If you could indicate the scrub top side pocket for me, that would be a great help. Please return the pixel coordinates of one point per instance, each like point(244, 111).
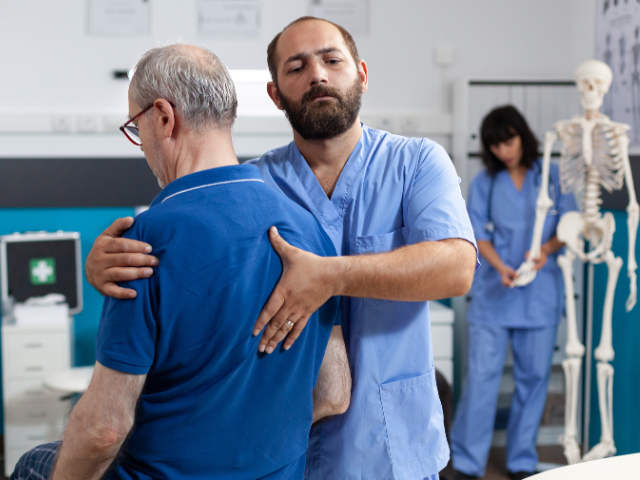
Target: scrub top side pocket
point(380, 244)
point(413, 418)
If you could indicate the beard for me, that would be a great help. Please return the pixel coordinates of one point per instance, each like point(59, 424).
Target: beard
point(324, 119)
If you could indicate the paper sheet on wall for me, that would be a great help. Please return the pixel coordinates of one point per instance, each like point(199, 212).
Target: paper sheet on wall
point(118, 17)
point(353, 15)
point(229, 18)
point(618, 45)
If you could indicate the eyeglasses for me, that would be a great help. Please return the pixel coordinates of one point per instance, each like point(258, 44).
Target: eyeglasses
point(131, 131)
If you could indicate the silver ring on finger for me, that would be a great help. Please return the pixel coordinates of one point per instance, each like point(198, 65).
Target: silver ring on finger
point(290, 323)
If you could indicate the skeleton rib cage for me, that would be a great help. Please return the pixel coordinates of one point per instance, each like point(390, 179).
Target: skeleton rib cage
point(607, 159)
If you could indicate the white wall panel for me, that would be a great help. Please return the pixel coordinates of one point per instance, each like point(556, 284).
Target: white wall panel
point(51, 64)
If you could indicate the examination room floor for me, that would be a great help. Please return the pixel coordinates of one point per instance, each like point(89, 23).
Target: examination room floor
point(496, 469)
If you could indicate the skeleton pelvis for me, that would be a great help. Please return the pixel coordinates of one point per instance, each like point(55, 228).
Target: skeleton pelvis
point(572, 230)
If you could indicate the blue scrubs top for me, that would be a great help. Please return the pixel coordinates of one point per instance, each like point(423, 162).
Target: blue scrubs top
point(212, 406)
point(393, 191)
point(513, 213)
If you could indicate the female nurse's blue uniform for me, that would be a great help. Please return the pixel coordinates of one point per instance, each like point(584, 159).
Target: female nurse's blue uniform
point(526, 316)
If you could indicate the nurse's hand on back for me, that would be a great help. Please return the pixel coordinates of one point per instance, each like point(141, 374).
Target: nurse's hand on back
point(308, 281)
point(115, 259)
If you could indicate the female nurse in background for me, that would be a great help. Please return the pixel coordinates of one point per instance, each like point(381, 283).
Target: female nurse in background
point(502, 206)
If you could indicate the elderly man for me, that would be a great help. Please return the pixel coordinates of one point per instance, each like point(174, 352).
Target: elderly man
point(393, 209)
point(209, 405)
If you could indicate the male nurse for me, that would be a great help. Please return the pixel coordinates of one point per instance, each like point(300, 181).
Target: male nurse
point(393, 209)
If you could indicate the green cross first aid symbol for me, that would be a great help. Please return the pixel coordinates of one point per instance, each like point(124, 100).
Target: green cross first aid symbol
point(43, 271)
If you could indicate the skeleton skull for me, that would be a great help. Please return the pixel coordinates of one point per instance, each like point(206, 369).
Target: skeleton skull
point(593, 79)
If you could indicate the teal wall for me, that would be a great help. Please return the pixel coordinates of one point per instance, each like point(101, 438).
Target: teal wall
point(90, 222)
point(626, 343)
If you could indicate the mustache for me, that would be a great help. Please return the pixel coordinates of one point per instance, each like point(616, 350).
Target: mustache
point(320, 91)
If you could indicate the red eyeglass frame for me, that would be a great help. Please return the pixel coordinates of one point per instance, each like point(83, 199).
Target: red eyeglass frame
point(123, 127)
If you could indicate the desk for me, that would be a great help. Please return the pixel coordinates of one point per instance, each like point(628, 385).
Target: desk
point(624, 467)
point(73, 380)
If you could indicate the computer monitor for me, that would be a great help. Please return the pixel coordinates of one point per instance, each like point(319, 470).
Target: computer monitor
point(39, 263)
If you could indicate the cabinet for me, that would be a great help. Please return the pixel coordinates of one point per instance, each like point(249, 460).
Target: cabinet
point(441, 318)
point(33, 415)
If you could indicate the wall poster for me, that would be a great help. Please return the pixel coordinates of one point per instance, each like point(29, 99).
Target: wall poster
point(618, 45)
point(229, 18)
point(118, 17)
point(353, 15)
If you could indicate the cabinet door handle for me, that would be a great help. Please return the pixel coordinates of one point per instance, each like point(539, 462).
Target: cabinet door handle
point(37, 437)
point(34, 368)
point(33, 345)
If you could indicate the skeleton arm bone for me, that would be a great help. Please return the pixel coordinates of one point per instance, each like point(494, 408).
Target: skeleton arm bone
point(633, 214)
point(527, 271)
point(544, 202)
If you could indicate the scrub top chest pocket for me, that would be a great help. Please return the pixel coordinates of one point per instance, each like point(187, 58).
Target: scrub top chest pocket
point(380, 244)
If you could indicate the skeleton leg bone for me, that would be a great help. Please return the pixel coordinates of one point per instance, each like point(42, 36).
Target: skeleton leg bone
point(604, 354)
point(571, 365)
point(606, 447)
point(569, 440)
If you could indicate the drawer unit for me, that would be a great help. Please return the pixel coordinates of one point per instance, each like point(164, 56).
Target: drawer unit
point(28, 391)
point(33, 415)
point(35, 422)
point(45, 343)
point(36, 366)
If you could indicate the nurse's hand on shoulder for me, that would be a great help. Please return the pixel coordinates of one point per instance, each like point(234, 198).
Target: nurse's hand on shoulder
point(540, 261)
point(508, 275)
point(305, 285)
point(113, 259)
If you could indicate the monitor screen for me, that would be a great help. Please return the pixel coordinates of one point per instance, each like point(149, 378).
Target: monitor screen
point(40, 267)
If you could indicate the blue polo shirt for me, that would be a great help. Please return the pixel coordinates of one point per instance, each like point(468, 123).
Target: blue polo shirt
point(212, 406)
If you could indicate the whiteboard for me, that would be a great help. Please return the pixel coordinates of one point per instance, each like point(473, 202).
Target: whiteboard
point(618, 45)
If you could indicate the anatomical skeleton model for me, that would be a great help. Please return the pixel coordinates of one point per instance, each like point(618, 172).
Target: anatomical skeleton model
point(594, 156)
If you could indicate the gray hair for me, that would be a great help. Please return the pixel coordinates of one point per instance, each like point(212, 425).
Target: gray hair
point(193, 79)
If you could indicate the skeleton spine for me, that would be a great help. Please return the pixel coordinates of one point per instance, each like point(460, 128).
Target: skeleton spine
point(591, 199)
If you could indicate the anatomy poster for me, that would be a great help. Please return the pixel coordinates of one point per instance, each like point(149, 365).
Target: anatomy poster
point(618, 45)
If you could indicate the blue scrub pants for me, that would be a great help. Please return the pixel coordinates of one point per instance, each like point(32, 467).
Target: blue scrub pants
point(473, 425)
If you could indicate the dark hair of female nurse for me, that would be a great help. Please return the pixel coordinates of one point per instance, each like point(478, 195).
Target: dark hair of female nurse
point(507, 141)
point(508, 144)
